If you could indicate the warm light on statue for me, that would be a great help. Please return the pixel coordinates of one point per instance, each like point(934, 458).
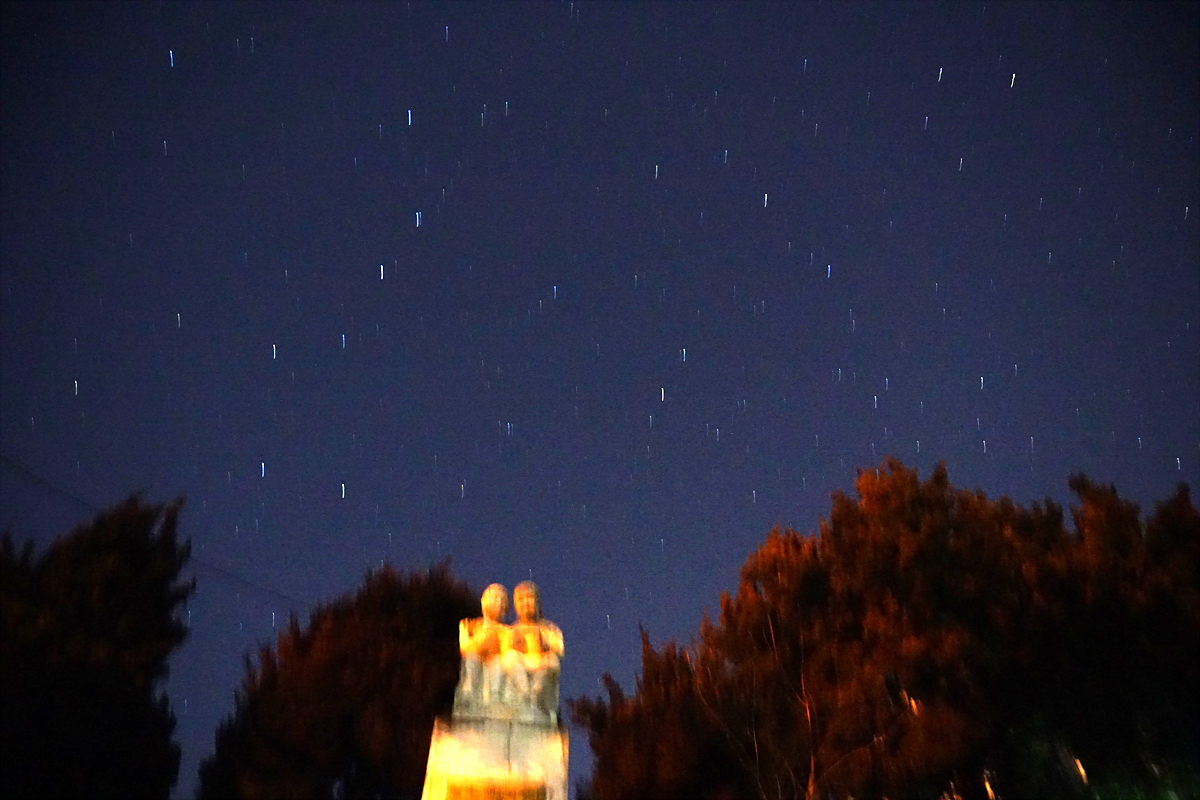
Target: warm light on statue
point(482, 642)
point(531, 657)
point(503, 739)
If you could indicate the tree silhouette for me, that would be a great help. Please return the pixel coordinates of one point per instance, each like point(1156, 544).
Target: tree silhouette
point(87, 630)
point(926, 637)
point(345, 707)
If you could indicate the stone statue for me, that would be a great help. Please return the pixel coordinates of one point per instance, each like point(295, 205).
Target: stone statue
point(504, 737)
point(482, 642)
point(531, 656)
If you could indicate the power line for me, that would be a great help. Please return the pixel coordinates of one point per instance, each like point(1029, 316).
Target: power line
point(33, 476)
point(91, 507)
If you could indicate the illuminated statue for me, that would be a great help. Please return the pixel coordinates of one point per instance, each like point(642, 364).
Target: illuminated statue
point(504, 738)
point(531, 658)
point(482, 643)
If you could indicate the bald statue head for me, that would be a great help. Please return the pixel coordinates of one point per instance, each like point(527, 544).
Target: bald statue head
point(494, 602)
point(527, 601)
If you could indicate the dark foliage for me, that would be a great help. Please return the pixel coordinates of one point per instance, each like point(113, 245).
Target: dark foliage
point(345, 707)
point(87, 629)
point(928, 640)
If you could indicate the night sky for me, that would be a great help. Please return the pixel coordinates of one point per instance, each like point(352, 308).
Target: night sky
point(595, 294)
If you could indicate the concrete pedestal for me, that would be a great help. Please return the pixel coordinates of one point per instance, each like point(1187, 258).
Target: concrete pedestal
point(496, 759)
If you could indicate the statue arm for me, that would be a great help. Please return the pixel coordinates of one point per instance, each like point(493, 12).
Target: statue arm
point(465, 645)
point(554, 637)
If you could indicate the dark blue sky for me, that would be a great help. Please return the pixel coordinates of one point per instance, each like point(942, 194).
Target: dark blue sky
point(655, 278)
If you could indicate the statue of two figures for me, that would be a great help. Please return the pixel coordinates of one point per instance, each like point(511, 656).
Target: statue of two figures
point(509, 671)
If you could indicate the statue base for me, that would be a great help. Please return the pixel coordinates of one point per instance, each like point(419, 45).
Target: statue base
point(494, 759)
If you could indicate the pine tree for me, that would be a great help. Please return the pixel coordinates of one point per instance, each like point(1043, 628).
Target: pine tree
point(345, 707)
point(88, 627)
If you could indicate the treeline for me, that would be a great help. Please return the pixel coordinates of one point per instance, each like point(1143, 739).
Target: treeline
point(342, 708)
point(929, 642)
point(345, 707)
point(924, 642)
point(86, 629)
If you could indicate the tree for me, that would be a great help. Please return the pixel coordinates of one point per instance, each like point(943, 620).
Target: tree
point(87, 628)
point(345, 707)
point(926, 637)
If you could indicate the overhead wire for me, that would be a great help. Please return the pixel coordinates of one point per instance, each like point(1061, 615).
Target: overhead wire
point(94, 508)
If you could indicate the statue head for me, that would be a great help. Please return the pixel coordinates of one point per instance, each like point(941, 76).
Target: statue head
point(527, 601)
point(494, 602)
